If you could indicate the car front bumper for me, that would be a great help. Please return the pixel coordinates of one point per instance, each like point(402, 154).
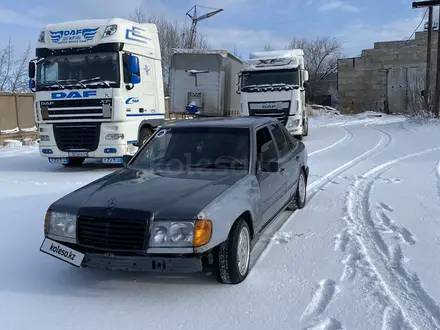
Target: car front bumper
point(154, 264)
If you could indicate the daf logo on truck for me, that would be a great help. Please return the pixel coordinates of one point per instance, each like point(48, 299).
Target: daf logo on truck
point(73, 95)
point(269, 106)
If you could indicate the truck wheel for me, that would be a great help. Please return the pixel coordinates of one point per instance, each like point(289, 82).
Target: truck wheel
point(234, 254)
point(300, 197)
point(75, 162)
point(299, 137)
point(144, 135)
point(306, 128)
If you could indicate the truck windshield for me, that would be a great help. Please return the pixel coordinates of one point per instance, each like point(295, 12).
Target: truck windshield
point(270, 77)
point(100, 70)
point(191, 148)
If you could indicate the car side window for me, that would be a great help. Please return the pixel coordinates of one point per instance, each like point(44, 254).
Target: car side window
point(292, 143)
point(266, 150)
point(280, 139)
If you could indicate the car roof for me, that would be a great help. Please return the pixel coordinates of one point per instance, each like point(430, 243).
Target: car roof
point(244, 122)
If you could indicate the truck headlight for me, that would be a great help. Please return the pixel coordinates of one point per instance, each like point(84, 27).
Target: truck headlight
point(60, 224)
point(293, 123)
point(181, 233)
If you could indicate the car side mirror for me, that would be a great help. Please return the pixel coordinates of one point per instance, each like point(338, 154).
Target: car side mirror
point(271, 167)
point(126, 159)
point(305, 84)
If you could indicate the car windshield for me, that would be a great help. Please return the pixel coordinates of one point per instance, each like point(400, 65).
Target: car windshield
point(78, 70)
point(270, 77)
point(189, 148)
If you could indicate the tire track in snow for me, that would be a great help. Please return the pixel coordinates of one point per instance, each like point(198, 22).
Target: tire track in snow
point(348, 136)
point(406, 301)
point(437, 173)
point(318, 184)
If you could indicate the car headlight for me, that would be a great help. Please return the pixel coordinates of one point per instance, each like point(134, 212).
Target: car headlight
point(60, 224)
point(181, 233)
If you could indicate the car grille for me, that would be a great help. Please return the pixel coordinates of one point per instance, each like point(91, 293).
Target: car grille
point(77, 136)
point(256, 109)
point(112, 234)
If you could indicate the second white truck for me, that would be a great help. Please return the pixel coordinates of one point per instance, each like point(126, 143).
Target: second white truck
point(272, 84)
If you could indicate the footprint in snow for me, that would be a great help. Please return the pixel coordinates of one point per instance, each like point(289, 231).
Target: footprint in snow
point(321, 298)
point(400, 233)
point(384, 206)
point(281, 237)
point(329, 323)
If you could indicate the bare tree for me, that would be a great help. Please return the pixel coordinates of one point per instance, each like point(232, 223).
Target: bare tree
point(334, 94)
point(236, 52)
point(321, 57)
point(171, 35)
point(268, 47)
point(13, 72)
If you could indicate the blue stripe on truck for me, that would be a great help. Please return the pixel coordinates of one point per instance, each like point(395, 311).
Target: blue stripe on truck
point(144, 114)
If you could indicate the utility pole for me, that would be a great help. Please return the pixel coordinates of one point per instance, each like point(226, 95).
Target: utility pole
point(430, 4)
point(428, 59)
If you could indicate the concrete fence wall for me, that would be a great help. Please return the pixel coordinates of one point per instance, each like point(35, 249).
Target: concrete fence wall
point(16, 110)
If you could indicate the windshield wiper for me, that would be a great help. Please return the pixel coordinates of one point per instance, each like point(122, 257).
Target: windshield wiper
point(72, 80)
point(95, 79)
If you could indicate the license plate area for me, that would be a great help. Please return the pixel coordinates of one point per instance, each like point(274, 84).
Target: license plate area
point(78, 154)
point(62, 252)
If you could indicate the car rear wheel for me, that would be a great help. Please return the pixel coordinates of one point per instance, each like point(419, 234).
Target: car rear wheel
point(234, 255)
point(300, 197)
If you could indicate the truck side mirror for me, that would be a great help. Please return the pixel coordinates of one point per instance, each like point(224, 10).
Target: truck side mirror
point(31, 70)
point(306, 75)
point(134, 69)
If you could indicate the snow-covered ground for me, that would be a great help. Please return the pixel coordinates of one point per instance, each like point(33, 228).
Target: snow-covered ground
point(363, 254)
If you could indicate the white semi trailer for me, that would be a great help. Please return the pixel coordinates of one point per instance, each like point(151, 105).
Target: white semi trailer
point(98, 89)
point(204, 82)
point(272, 83)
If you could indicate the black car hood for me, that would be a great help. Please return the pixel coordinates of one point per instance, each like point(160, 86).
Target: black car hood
point(132, 193)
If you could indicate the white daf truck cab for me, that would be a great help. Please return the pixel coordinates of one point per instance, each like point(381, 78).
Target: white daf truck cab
point(98, 89)
point(272, 83)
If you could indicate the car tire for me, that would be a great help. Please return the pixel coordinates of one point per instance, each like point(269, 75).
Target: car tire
point(75, 162)
point(300, 198)
point(144, 135)
point(234, 255)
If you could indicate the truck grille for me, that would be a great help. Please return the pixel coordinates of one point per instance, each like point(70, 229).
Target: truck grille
point(112, 234)
point(77, 109)
point(280, 113)
point(77, 136)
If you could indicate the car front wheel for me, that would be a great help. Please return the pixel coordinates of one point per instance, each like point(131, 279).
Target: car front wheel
point(234, 255)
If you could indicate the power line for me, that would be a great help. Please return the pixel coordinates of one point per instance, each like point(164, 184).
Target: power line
point(412, 34)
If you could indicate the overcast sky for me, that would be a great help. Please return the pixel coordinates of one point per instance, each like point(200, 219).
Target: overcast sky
point(246, 24)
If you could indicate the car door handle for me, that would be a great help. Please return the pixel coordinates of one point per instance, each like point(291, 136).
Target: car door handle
point(297, 157)
point(282, 169)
